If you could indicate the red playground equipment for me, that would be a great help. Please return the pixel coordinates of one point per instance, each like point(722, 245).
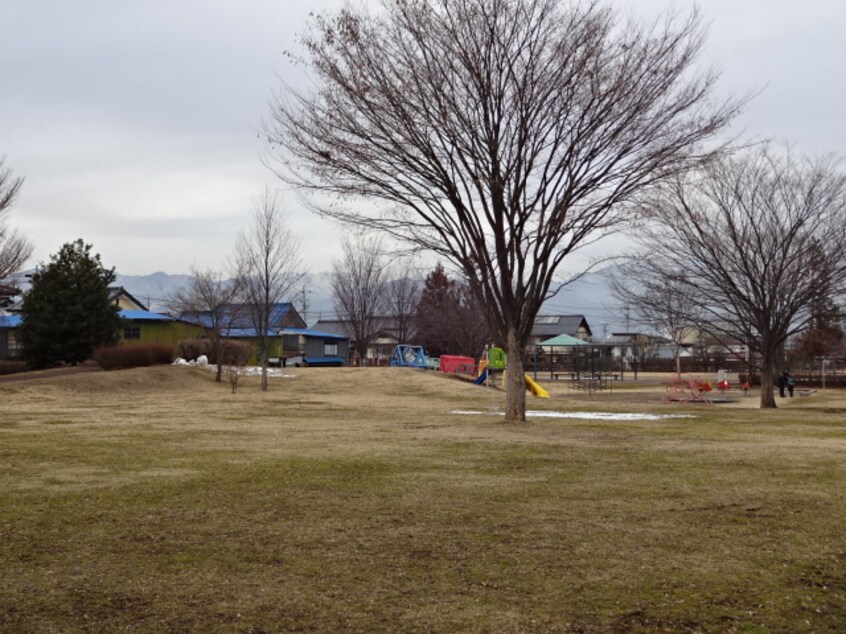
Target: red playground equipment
point(456, 364)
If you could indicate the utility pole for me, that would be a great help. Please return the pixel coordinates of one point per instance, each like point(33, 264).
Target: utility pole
point(304, 293)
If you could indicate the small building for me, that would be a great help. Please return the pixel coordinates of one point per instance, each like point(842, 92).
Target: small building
point(10, 348)
point(548, 326)
point(382, 344)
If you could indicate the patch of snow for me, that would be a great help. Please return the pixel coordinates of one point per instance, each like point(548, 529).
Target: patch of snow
point(582, 415)
point(202, 360)
point(255, 370)
point(250, 370)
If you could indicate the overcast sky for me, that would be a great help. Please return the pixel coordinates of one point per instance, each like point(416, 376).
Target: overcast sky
point(135, 124)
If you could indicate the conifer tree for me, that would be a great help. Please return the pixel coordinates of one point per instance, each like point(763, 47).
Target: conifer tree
point(67, 312)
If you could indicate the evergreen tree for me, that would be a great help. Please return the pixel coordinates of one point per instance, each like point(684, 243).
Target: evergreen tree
point(67, 312)
point(825, 336)
point(449, 319)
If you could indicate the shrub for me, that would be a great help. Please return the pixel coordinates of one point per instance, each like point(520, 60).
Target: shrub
point(192, 348)
point(12, 367)
point(237, 352)
point(115, 357)
point(234, 352)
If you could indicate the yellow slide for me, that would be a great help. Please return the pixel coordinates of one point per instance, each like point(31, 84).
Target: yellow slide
point(534, 388)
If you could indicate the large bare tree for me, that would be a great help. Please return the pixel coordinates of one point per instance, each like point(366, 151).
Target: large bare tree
point(500, 134)
point(212, 302)
point(268, 264)
point(756, 241)
point(358, 289)
point(15, 249)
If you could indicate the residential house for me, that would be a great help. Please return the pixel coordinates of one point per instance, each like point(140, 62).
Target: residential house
point(143, 326)
point(9, 346)
point(290, 340)
point(8, 296)
point(381, 346)
point(122, 298)
point(548, 326)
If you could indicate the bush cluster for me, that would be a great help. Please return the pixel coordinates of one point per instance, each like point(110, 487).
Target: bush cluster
point(12, 367)
point(234, 352)
point(115, 357)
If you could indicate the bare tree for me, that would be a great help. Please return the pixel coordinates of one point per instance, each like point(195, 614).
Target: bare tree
point(267, 259)
point(756, 241)
point(501, 134)
point(402, 293)
point(15, 249)
point(212, 302)
point(358, 290)
point(667, 305)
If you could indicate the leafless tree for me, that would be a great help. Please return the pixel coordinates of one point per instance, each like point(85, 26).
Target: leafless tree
point(211, 302)
point(15, 249)
point(756, 241)
point(402, 293)
point(268, 264)
point(358, 290)
point(501, 134)
point(667, 305)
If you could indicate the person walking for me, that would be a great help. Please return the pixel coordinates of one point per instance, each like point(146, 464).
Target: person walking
point(781, 383)
point(791, 383)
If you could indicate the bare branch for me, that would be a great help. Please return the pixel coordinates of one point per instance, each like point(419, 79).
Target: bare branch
point(15, 249)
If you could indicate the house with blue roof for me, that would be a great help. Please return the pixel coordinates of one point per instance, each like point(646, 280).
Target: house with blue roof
point(9, 346)
point(290, 339)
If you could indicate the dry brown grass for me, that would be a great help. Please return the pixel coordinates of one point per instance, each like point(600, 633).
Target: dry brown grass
point(352, 500)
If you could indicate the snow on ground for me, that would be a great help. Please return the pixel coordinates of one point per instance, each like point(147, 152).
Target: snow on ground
point(582, 415)
point(248, 370)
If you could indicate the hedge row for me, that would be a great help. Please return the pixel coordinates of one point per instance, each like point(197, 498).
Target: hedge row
point(115, 357)
point(234, 352)
point(12, 367)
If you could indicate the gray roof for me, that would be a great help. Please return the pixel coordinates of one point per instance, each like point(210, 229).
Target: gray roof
point(386, 326)
point(547, 326)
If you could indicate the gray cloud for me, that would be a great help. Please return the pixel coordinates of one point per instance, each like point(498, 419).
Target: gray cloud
point(135, 124)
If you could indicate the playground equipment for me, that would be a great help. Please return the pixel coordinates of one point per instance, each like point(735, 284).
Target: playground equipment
point(455, 364)
point(496, 362)
point(534, 388)
point(406, 356)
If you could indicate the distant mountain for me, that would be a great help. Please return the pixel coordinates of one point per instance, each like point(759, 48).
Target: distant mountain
point(589, 296)
point(154, 289)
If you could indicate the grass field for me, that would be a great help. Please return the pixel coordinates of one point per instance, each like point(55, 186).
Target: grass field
point(154, 500)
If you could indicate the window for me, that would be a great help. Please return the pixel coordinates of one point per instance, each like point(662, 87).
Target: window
point(546, 320)
point(131, 332)
point(330, 349)
point(14, 349)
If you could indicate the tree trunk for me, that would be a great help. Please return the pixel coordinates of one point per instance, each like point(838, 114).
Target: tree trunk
point(264, 367)
point(515, 388)
point(768, 373)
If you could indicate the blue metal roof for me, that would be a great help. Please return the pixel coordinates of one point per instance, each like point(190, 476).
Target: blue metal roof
point(307, 332)
point(249, 333)
point(10, 321)
point(143, 315)
point(238, 315)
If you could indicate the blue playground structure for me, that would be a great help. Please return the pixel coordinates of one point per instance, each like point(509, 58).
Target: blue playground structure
point(406, 356)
